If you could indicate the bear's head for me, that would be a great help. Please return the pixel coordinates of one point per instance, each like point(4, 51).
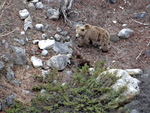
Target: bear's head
point(82, 30)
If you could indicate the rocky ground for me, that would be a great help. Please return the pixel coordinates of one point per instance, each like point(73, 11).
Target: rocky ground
point(133, 52)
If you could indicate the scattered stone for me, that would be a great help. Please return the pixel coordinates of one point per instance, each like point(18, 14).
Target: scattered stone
point(58, 29)
point(46, 44)
point(64, 33)
point(26, 92)
point(34, 1)
point(125, 80)
point(134, 71)
point(16, 82)
point(2, 65)
point(43, 91)
point(20, 55)
point(23, 13)
point(20, 41)
point(114, 37)
point(57, 37)
point(10, 74)
point(35, 41)
point(28, 23)
point(39, 5)
point(39, 27)
point(3, 41)
point(91, 70)
point(58, 62)
point(125, 33)
point(61, 47)
point(134, 111)
point(69, 73)
point(36, 62)
point(44, 36)
point(141, 15)
point(31, 5)
point(53, 14)
point(10, 99)
point(148, 9)
point(44, 52)
point(44, 72)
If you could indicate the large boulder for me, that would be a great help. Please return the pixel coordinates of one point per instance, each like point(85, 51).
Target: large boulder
point(124, 80)
point(58, 62)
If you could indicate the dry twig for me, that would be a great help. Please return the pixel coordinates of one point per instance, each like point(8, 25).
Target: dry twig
point(139, 54)
point(145, 24)
point(8, 33)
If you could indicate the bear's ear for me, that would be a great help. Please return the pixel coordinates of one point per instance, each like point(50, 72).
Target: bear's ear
point(87, 26)
point(77, 26)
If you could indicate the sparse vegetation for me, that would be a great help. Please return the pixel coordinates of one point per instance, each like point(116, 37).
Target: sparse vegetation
point(84, 94)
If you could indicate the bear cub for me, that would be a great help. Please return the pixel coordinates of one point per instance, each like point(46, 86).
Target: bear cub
point(96, 35)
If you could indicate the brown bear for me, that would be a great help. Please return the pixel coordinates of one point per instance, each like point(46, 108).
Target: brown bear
point(93, 34)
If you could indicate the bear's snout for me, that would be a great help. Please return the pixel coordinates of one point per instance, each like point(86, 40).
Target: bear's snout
point(77, 35)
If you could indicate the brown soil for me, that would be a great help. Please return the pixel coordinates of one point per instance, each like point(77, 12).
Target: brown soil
point(124, 54)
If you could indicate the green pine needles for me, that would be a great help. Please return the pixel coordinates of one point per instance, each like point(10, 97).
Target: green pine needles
point(84, 94)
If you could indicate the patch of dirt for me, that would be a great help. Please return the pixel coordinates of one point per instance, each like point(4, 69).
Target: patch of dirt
point(124, 54)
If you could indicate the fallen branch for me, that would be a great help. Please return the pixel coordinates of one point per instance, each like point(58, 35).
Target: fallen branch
point(139, 54)
point(9, 32)
point(145, 24)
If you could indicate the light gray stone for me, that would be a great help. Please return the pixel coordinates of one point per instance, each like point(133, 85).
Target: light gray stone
point(35, 41)
point(114, 37)
point(125, 33)
point(2, 65)
point(10, 99)
point(20, 41)
point(36, 62)
point(10, 74)
point(46, 44)
point(58, 62)
point(53, 14)
point(57, 37)
point(23, 13)
point(44, 52)
point(20, 55)
point(39, 5)
point(16, 82)
point(69, 73)
point(148, 9)
point(134, 71)
point(125, 80)
point(39, 27)
point(31, 5)
point(28, 23)
point(44, 36)
point(64, 33)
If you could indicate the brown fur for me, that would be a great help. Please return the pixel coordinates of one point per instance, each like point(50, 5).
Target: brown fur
point(93, 34)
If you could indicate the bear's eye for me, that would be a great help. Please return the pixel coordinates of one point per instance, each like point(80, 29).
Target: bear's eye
point(82, 29)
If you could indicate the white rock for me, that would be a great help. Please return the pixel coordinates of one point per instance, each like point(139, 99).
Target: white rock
point(134, 71)
point(46, 44)
point(36, 62)
point(35, 41)
point(53, 14)
point(34, 1)
point(23, 13)
point(44, 52)
point(44, 36)
point(125, 80)
point(125, 33)
point(28, 23)
point(22, 32)
point(39, 5)
point(91, 70)
point(39, 27)
point(31, 5)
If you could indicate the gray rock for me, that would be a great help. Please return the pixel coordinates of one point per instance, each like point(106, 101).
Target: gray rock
point(16, 82)
point(134, 111)
point(23, 13)
point(64, 33)
point(3, 41)
point(20, 41)
point(57, 37)
point(28, 23)
point(69, 73)
point(10, 99)
point(44, 52)
point(53, 14)
point(141, 15)
point(46, 44)
point(20, 55)
point(26, 92)
point(39, 27)
point(31, 5)
point(2, 65)
point(61, 47)
point(148, 9)
point(125, 33)
point(39, 5)
point(114, 37)
point(58, 29)
point(36, 62)
point(10, 74)
point(112, 1)
point(34, 1)
point(44, 36)
point(35, 41)
point(58, 62)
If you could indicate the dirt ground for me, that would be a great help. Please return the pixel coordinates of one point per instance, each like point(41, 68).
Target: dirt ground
point(124, 54)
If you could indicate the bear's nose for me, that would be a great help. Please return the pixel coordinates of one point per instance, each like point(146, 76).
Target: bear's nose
point(77, 35)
